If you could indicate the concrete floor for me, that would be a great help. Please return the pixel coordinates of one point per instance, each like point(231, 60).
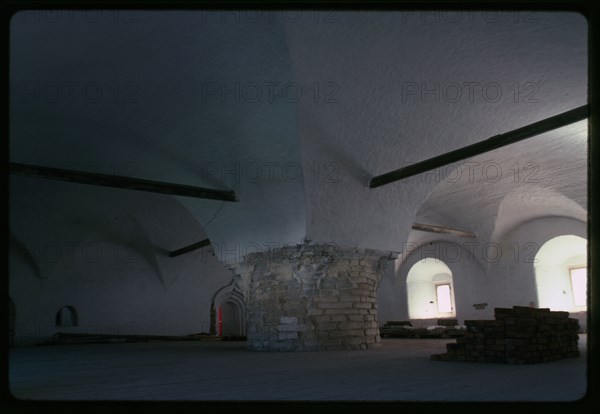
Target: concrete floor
point(398, 370)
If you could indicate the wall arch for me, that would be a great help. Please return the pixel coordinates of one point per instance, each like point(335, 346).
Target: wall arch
point(553, 265)
point(228, 312)
point(468, 279)
point(423, 285)
point(67, 316)
point(512, 279)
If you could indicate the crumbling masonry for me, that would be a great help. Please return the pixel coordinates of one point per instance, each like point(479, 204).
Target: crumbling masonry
point(311, 297)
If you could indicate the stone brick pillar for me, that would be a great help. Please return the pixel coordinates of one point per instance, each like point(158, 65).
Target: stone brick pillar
point(311, 297)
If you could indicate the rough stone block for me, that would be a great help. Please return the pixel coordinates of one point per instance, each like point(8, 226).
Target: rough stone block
point(332, 305)
point(351, 325)
point(302, 328)
point(342, 311)
point(352, 341)
point(287, 328)
point(288, 335)
point(350, 298)
point(339, 318)
point(354, 332)
point(327, 326)
point(362, 292)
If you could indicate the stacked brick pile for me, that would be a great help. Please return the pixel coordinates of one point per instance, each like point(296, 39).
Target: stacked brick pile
point(520, 335)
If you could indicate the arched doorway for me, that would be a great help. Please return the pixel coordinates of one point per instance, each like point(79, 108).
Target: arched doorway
point(561, 274)
point(430, 290)
point(67, 316)
point(228, 313)
point(231, 319)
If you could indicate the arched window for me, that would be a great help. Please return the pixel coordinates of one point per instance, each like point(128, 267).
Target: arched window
point(430, 290)
point(67, 316)
point(561, 274)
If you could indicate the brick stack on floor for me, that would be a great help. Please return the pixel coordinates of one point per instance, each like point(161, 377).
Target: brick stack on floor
point(520, 335)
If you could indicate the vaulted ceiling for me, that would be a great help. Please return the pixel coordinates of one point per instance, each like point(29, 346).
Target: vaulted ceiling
point(213, 99)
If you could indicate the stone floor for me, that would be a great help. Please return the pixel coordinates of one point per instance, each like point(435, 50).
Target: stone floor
point(398, 370)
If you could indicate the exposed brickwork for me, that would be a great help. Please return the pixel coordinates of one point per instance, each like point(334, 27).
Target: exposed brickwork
point(520, 335)
point(311, 297)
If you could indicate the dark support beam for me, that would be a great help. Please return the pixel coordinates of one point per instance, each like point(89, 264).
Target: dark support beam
point(116, 181)
point(495, 142)
point(441, 229)
point(191, 247)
